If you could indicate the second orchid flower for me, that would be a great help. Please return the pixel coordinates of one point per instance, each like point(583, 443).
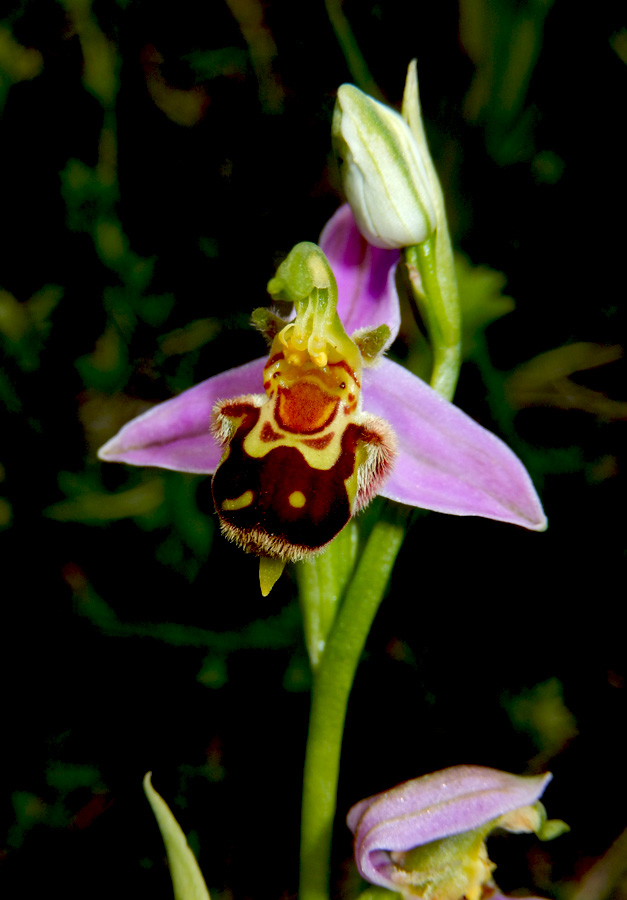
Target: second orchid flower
point(426, 838)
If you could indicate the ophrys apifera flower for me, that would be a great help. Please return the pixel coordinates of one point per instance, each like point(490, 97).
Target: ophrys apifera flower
point(401, 439)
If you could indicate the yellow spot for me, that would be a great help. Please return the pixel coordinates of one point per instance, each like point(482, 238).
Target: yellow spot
point(297, 499)
point(269, 573)
point(240, 502)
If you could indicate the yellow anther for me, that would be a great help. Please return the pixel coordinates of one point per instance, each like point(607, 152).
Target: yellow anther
point(298, 340)
point(320, 359)
point(316, 347)
point(283, 334)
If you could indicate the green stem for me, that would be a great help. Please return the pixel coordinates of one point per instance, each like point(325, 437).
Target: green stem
point(435, 292)
point(431, 264)
point(321, 585)
point(332, 685)
point(355, 61)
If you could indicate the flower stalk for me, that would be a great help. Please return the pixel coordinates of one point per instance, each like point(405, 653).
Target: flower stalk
point(321, 584)
point(434, 288)
point(332, 683)
point(435, 291)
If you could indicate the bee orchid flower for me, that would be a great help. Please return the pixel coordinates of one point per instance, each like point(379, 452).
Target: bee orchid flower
point(426, 838)
point(429, 454)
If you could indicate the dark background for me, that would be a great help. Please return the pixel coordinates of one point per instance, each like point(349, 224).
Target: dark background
point(156, 164)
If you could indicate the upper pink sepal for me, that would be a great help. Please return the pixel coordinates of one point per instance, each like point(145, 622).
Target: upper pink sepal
point(367, 295)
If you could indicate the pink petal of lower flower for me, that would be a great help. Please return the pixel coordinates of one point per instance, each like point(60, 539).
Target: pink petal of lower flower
point(434, 806)
point(367, 295)
point(448, 802)
point(446, 461)
point(175, 434)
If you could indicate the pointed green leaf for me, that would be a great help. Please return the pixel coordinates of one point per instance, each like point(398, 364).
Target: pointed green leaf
point(187, 879)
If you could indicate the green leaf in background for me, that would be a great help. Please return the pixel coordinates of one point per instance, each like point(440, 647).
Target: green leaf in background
point(542, 713)
point(17, 63)
point(187, 879)
point(481, 299)
point(25, 326)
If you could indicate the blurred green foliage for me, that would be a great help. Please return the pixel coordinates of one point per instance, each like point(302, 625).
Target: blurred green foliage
point(157, 163)
point(543, 715)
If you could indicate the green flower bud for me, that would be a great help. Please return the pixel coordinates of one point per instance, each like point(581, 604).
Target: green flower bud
point(383, 171)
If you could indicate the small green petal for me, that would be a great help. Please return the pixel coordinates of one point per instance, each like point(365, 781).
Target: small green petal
point(552, 828)
point(372, 342)
point(268, 323)
point(187, 879)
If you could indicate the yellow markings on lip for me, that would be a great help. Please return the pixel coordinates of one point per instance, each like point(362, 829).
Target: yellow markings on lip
point(240, 502)
point(297, 499)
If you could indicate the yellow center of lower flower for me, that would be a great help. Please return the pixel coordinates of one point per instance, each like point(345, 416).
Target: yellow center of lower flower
point(453, 868)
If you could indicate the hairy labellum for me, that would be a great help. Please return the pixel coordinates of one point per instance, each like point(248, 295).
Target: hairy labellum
point(299, 462)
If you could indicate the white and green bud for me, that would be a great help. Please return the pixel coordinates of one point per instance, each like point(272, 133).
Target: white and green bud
point(384, 174)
